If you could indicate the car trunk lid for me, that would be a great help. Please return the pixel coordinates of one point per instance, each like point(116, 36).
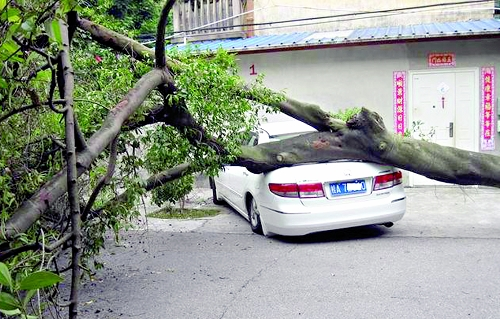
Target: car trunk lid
point(342, 181)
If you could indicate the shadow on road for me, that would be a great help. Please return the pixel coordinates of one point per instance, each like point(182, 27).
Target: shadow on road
point(353, 233)
point(365, 232)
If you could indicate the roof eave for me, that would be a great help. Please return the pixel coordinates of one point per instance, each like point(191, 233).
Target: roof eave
point(363, 42)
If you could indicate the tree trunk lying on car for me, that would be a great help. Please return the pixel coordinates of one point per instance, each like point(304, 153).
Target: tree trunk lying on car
point(364, 137)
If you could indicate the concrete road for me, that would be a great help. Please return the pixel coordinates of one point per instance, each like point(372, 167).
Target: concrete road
point(441, 261)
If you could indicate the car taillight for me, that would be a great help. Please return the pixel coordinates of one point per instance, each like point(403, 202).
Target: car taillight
point(314, 190)
point(311, 190)
point(284, 190)
point(398, 178)
point(387, 180)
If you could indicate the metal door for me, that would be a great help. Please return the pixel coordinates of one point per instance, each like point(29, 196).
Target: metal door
point(443, 110)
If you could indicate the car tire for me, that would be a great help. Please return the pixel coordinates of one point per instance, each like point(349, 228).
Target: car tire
point(215, 197)
point(254, 216)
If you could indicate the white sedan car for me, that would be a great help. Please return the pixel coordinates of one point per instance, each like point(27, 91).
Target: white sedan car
point(308, 198)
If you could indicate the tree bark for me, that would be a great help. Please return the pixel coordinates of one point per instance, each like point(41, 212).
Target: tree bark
point(67, 84)
point(121, 43)
point(365, 138)
point(116, 40)
point(178, 117)
point(151, 183)
point(160, 60)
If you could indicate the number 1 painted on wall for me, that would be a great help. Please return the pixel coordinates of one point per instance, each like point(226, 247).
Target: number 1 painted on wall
point(252, 70)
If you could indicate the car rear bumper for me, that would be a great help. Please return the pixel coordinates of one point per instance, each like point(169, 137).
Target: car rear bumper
point(317, 220)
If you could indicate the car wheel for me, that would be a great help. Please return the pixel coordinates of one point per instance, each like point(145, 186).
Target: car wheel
point(254, 216)
point(215, 197)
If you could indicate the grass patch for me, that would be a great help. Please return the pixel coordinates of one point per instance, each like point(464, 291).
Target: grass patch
point(186, 213)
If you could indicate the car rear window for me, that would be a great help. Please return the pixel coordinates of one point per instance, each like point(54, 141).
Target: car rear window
point(275, 138)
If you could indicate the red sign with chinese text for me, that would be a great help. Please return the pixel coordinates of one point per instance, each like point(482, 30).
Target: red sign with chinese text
point(399, 86)
point(488, 108)
point(441, 59)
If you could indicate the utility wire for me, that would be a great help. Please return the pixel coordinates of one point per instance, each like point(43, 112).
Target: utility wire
point(338, 15)
point(343, 20)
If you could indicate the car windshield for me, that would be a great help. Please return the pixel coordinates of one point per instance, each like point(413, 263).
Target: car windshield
point(279, 131)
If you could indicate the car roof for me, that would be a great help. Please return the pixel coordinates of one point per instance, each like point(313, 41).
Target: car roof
point(288, 127)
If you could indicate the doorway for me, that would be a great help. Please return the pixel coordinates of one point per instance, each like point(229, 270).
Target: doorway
point(444, 109)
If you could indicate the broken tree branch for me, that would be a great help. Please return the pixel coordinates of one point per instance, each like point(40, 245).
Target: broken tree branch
point(121, 43)
point(116, 40)
point(31, 210)
point(160, 60)
point(151, 183)
point(103, 181)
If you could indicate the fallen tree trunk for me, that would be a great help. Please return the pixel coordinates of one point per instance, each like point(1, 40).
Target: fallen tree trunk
point(362, 138)
point(365, 137)
point(151, 183)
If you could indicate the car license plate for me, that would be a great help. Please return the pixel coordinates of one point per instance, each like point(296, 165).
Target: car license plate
point(348, 188)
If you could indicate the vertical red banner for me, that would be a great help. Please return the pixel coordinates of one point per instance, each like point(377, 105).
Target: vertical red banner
point(399, 87)
point(488, 115)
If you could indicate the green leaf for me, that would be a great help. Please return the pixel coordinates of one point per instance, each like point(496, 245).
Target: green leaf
point(8, 302)
point(11, 15)
point(3, 3)
point(44, 75)
point(5, 278)
point(28, 26)
point(28, 297)
point(68, 5)
point(10, 49)
point(9, 46)
point(10, 312)
point(39, 279)
point(54, 30)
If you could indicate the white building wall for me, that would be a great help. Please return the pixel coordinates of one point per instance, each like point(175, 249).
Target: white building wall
point(333, 78)
point(359, 76)
point(278, 10)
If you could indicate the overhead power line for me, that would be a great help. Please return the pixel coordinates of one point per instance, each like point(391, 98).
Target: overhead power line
point(344, 20)
point(338, 15)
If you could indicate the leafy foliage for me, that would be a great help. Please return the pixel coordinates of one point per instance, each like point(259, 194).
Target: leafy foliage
point(210, 84)
point(130, 17)
point(347, 114)
point(22, 289)
point(32, 135)
point(416, 131)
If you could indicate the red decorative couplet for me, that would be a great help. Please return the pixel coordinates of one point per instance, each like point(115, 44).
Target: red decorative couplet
point(488, 117)
point(441, 59)
point(399, 85)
